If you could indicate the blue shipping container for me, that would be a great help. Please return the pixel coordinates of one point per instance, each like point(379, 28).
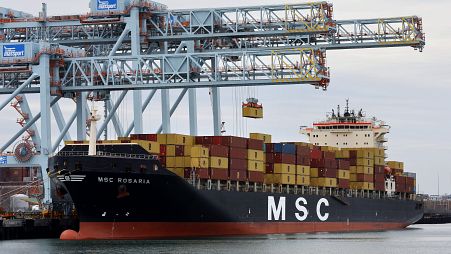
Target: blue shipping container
point(285, 148)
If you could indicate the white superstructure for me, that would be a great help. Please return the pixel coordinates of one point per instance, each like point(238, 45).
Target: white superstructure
point(347, 130)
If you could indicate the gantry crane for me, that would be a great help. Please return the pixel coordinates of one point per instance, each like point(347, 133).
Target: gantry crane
point(124, 46)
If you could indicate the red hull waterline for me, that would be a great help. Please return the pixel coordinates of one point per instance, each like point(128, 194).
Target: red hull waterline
point(167, 230)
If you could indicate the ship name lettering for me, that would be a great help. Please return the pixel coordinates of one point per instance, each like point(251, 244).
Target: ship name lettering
point(131, 180)
point(104, 179)
point(277, 210)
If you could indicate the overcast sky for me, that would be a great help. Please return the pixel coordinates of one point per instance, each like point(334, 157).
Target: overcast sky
point(407, 89)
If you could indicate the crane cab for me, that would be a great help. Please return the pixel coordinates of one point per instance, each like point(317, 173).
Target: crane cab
point(252, 109)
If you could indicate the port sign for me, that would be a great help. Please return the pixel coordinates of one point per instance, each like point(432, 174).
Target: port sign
point(105, 5)
point(3, 160)
point(14, 50)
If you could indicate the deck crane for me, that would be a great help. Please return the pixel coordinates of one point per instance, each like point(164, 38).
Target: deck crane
point(140, 45)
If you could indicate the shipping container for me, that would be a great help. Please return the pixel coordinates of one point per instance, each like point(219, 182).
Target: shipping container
point(344, 174)
point(361, 177)
point(199, 152)
point(238, 153)
point(284, 179)
point(258, 166)
point(361, 162)
point(200, 173)
point(343, 183)
point(199, 162)
point(323, 182)
point(230, 141)
point(302, 150)
point(255, 177)
point(324, 163)
point(255, 144)
point(237, 164)
point(280, 168)
point(361, 170)
point(219, 162)
point(303, 160)
point(219, 173)
point(361, 185)
point(303, 180)
point(170, 150)
point(238, 175)
point(303, 170)
point(150, 146)
point(269, 168)
point(252, 112)
point(343, 164)
point(342, 154)
point(218, 150)
point(255, 155)
point(378, 169)
point(366, 153)
point(180, 150)
point(266, 138)
point(379, 161)
point(395, 164)
point(284, 158)
point(281, 148)
point(379, 152)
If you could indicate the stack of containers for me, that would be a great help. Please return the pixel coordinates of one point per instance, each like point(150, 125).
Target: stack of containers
point(379, 169)
point(362, 169)
point(410, 182)
point(255, 161)
point(199, 162)
point(280, 163)
point(237, 162)
point(343, 165)
point(172, 150)
point(400, 183)
point(303, 164)
point(397, 167)
point(323, 167)
point(219, 162)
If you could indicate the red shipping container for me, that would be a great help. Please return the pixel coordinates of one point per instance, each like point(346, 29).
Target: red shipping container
point(238, 175)
point(179, 150)
point(204, 140)
point(238, 153)
point(269, 157)
point(219, 174)
point(230, 141)
point(379, 178)
point(302, 150)
point(379, 169)
point(343, 164)
point(327, 172)
point(303, 160)
point(328, 155)
point(238, 164)
point(379, 186)
point(316, 154)
point(162, 150)
point(343, 183)
point(218, 150)
point(255, 177)
point(323, 163)
point(284, 158)
point(255, 144)
point(400, 183)
point(364, 178)
point(269, 168)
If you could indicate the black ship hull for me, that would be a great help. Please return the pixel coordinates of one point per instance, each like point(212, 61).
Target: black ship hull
point(112, 204)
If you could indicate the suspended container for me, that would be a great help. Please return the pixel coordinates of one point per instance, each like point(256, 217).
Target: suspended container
point(252, 109)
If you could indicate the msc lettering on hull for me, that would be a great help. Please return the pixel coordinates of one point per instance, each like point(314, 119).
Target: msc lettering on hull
point(122, 180)
point(278, 211)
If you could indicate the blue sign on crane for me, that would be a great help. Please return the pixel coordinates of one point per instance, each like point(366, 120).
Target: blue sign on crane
point(3, 160)
point(14, 50)
point(103, 5)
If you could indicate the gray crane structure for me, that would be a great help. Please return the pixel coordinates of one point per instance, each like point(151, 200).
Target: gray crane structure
point(132, 45)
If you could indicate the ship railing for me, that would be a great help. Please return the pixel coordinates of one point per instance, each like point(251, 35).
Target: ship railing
point(107, 154)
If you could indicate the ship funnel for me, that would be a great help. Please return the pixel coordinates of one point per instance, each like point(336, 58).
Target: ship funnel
point(93, 131)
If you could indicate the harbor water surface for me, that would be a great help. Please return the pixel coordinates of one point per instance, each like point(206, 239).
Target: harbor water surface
point(422, 239)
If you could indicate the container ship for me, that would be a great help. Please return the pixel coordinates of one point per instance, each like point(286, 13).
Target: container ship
point(157, 186)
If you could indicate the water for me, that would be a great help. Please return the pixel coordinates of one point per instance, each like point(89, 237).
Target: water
point(422, 239)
